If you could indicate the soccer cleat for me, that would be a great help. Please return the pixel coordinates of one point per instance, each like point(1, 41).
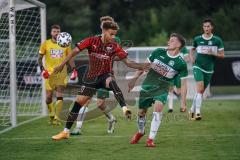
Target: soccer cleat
point(111, 125)
point(191, 116)
point(76, 132)
point(198, 117)
point(127, 112)
point(150, 143)
point(183, 109)
point(170, 110)
point(60, 136)
point(136, 138)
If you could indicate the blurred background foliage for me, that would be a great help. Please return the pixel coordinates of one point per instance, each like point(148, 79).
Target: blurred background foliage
point(146, 22)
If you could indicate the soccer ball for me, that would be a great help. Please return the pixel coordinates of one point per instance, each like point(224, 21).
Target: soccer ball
point(64, 39)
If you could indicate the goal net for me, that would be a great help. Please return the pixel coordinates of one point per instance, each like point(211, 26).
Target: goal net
point(28, 81)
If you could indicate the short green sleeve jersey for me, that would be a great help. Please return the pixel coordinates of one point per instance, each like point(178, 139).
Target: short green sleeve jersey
point(164, 68)
point(184, 52)
point(202, 45)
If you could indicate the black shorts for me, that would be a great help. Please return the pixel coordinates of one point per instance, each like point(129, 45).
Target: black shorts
point(89, 86)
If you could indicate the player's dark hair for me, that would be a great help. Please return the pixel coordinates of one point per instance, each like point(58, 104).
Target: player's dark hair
point(55, 26)
point(110, 25)
point(209, 20)
point(180, 38)
point(106, 18)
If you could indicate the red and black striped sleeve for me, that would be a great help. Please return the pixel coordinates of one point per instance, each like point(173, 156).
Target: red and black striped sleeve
point(121, 53)
point(85, 43)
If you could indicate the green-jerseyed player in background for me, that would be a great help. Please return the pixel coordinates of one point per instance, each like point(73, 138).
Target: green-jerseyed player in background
point(166, 64)
point(208, 47)
point(102, 94)
point(178, 87)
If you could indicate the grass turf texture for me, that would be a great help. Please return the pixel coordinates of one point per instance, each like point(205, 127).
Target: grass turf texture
point(216, 137)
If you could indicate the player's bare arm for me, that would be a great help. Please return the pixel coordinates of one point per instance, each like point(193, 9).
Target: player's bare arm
point(133, 64)
point(219, 54)
point(74, 52)
point(132, 82)
point(40, 58)
point(71, 63)
point(191, 55)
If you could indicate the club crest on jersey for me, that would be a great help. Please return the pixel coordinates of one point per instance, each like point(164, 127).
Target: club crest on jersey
point(236, 69)
point(210, 43)
point(109, 48)
point(171, 63)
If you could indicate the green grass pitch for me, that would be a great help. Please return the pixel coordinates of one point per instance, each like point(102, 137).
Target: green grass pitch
point(216, 137)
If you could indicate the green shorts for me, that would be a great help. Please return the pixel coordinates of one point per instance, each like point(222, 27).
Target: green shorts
point(177, 82)
point(102, 93)
point(149, 94)
point(199, 75)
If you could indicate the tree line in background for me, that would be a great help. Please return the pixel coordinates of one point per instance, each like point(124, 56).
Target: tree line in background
point(146, 22)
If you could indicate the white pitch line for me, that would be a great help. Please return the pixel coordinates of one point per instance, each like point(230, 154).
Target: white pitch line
point(22, 123)
point(123, 136)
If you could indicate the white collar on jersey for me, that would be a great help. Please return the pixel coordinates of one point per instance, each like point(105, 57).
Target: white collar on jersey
point(173, 56)
point(206, 37)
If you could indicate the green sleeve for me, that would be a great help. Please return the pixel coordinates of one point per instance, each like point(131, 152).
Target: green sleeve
point(184, 71)
point(152, 56)
point(220, 44)
point(117, 39)
point(184, 51)
point(195, 43)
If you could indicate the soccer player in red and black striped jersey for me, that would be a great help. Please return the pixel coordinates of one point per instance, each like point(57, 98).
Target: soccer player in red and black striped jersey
point(101, 50)
point(102, 94)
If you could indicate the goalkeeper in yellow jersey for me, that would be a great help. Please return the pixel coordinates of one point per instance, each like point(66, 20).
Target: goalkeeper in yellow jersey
point(54, 56)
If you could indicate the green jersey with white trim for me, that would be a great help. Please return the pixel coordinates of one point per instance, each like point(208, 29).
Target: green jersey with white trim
point(164, 68)
point(202, 45)
point(183, 52)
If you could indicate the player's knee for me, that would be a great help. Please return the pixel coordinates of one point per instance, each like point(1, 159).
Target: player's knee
point(82, 100)
point(48, 100)
point(200, 91)
point(100, 103)
point(141, 113)
point(178, 92)
point(108, 81)
point(158, 106)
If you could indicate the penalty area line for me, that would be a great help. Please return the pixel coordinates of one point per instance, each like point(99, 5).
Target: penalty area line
point(119, 136)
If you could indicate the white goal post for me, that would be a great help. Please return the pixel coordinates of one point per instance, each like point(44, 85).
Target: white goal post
point(22, 30)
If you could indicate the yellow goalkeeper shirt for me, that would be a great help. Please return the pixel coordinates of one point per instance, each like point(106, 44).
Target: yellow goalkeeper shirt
point(54, 55)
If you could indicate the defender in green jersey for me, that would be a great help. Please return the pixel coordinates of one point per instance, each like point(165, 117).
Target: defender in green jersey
point(208, 47)
point(102, 94)
point(176, 89)
point(166, 64)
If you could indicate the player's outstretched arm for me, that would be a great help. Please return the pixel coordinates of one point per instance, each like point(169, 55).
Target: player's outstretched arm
point(132, 64)
point(132, 82)
point(74, 52)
